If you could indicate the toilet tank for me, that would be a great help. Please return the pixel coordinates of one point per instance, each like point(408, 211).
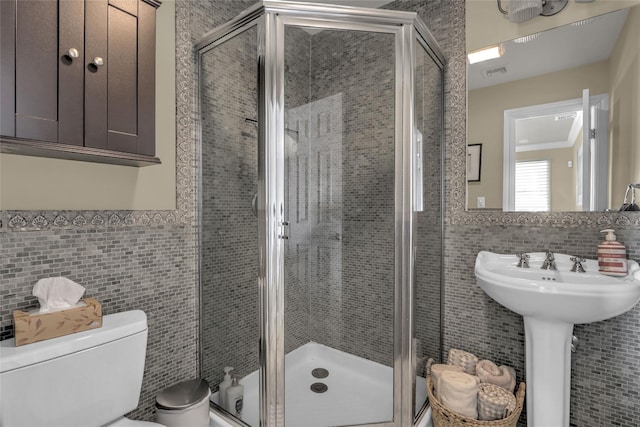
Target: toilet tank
point(85, 379)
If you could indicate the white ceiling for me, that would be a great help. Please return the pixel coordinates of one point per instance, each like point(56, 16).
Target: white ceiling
point(548, 131)
point(558, 49)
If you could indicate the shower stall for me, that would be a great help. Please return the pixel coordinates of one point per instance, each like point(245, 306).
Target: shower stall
point(321, 213)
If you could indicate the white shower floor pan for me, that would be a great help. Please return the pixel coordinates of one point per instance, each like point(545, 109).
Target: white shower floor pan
point(359, 391)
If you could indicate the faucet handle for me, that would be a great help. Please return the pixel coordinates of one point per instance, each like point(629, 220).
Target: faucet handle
point(577, 264)
point(523, 261)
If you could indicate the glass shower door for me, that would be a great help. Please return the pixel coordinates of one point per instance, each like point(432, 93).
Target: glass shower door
point(339, 170)
point(428, 114)
point(229, 240)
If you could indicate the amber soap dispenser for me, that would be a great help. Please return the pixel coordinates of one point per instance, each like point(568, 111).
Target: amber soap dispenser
point(612, 255)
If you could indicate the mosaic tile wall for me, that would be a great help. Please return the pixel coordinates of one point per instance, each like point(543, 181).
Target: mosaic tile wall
point(149, 268)
point(360, 66)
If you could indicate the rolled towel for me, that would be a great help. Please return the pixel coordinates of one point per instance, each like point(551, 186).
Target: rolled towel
point(459, 392)
point(436, 373)
point(494, 402)
point(503, 376)
point(463, 359)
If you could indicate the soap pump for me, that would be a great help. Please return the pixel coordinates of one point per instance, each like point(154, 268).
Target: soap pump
point(612, 255)
point(224, 386)
point(235, 398)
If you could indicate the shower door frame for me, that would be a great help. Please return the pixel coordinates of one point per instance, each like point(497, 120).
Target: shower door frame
point(271, 18)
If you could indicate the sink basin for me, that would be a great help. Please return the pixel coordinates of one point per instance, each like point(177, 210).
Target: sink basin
point(560, 295)
point(551, 302)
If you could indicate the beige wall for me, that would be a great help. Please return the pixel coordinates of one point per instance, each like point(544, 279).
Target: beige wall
point(624, 129)
point(485, 25)
point(35, 183)
point(486, 118)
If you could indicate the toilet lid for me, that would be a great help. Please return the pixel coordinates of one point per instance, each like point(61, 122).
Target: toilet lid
point(183, 395)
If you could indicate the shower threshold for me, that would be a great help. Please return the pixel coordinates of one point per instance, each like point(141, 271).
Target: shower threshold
point(356, 390)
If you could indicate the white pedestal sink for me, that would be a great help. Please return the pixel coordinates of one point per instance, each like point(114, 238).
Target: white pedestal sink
point(552, 301)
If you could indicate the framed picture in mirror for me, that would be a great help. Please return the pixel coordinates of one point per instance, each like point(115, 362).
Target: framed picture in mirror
point(474, 162)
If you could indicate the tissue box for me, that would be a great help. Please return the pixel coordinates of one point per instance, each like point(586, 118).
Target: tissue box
point(30, 328)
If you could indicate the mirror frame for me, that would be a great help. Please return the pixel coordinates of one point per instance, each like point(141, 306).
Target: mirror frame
point(456, 180)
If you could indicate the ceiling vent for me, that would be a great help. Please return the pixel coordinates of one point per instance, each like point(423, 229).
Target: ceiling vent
point(527, 39)
point(494, 72)
point(565, 116)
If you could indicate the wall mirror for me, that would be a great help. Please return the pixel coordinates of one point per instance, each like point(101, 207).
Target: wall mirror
point(557, 117)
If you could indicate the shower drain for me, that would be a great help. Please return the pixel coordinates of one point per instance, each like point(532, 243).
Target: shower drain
point(319, 387)
point(320, 373)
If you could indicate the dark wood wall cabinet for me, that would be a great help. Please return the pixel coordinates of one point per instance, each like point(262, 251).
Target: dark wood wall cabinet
point(77, 79)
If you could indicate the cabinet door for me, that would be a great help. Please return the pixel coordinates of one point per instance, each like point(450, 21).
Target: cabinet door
point(7, 67)
point(37, 70)
point(71, 72)
point(120, 44)
point(41, 92)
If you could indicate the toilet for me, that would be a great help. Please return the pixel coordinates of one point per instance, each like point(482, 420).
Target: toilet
point(90, 378)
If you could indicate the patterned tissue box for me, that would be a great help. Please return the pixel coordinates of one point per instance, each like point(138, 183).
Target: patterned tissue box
point(34, 327)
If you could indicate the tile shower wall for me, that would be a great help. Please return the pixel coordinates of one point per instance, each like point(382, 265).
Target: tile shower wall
point(360, 67)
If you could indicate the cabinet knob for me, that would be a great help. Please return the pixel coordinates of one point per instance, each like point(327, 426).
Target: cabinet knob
point(98, 61)
point(73, 53)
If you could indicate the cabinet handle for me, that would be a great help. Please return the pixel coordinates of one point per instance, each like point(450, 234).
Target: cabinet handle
point(98, 61)
point(73, 53)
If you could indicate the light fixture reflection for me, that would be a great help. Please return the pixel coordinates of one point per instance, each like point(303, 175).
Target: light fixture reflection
point(485, 54)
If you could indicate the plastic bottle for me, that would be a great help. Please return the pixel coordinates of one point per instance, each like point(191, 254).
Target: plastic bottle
point(612, 255)
point(235, 398)
point(224, 386)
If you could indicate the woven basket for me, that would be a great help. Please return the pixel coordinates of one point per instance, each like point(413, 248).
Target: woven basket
point(444, 417)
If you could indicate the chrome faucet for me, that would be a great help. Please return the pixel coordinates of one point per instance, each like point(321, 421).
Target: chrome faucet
point(577, 264)
point(549, 262)
point(523, 261)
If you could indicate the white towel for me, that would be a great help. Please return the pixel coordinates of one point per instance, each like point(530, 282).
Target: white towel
point(436, 373)
point(463, 359)
point(494, 402)
point(503, 376)
point(459, 393)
